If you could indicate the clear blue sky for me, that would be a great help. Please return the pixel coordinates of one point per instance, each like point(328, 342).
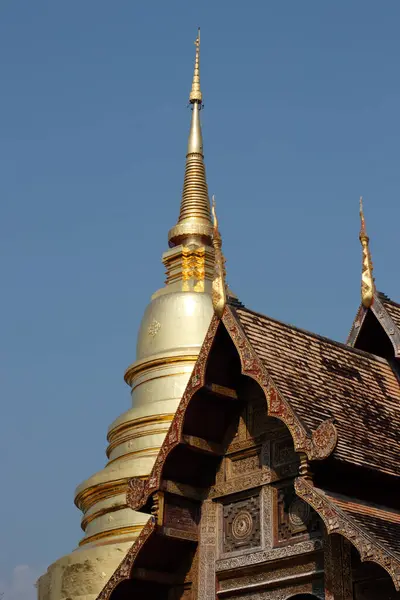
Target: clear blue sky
point(301, 117)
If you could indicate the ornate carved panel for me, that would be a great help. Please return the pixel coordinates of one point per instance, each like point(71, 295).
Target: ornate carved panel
point(180, 513)
point(294, 519)
point(285, 461)
point(314, 588)
point(242, 470)
point(243, 464)
point(260, 557)
point(241, 524)
point(273, 574)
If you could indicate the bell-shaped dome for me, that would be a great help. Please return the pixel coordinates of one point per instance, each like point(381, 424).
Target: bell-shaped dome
point(172, 323)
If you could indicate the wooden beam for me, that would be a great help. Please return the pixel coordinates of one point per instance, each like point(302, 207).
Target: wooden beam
point(180, 534)
point(156, 576)
point(184, 489)
point(203, 445)
point(222, 390)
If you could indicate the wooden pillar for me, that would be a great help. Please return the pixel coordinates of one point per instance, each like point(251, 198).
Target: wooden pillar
point(205, 584)
point(337, 563)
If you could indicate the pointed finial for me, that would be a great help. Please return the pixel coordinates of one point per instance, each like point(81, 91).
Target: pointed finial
point(195, 94)
point(218, 284)
point(367, 278)
point(194, 222)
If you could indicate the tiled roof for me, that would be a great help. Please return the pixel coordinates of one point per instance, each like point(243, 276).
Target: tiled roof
point(379, 522)
point(323, 379)
point(393, 309)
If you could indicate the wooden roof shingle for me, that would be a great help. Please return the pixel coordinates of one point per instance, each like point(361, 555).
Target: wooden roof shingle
point(323, 379)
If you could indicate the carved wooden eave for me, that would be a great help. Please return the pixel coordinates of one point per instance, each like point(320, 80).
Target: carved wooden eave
point(384, 318)
point(369, 548)
point(316, 445)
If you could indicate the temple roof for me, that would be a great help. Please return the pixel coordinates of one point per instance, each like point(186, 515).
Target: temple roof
point(381, 522)
point(374, 530)
point(324, 379)
point(392, 307)
point(341, 406)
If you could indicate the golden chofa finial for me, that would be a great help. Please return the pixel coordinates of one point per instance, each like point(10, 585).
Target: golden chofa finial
point(195, 93)
point(367, 278)
point(218, 284)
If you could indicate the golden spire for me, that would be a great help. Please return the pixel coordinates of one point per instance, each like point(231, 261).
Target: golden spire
point(218, 284)
point(195, 94)
point(367, 278)
point(194, 223)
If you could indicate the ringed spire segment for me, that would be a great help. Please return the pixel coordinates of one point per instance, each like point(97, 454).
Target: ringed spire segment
point(194, 222)
point(367, 277)
point(195, 93)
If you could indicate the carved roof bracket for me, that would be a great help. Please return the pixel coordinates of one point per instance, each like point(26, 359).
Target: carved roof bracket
point(336, 521)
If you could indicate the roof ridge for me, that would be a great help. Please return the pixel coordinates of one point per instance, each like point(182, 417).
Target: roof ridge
point(387, 300)
point(316, 335)
point(362, 503)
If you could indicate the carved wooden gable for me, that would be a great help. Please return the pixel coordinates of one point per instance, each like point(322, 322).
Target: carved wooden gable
point(264, 534)
point(235, 512)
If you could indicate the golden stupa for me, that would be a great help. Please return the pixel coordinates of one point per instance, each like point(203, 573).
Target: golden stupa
point(170, 336)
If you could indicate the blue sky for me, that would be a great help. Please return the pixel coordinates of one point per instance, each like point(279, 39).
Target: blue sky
point(301, 118)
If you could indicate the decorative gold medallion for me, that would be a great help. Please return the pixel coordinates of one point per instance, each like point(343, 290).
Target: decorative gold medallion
point(154, 328)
